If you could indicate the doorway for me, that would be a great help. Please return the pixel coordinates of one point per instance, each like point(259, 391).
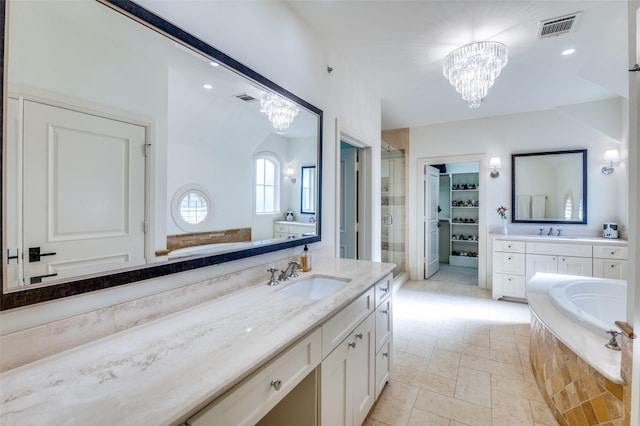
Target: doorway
point(451, 219)
point(349, 196)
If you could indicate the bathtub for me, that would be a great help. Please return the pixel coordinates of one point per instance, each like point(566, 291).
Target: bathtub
point(579, 311)
point(596, 305)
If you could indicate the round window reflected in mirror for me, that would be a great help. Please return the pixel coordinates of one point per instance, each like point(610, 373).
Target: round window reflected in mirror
point(191, 208)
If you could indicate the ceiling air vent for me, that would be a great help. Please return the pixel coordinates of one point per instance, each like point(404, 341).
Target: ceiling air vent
point(245, 97)
point(557, 26)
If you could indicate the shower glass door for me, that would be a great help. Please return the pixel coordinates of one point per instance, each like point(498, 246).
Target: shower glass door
point(393, 207)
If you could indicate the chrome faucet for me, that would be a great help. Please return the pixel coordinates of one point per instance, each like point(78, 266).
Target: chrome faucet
point(273, 281)
point(290, 271)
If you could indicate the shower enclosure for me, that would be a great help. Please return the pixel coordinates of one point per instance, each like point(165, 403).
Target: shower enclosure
point(393, 207)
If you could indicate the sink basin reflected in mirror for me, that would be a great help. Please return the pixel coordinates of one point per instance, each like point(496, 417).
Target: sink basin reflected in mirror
point(314, 288)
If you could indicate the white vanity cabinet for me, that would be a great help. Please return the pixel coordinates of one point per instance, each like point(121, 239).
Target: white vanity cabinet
point(508, 269)
point(384, 333)
point(253, 398)
point(610, 262)
point(292, 230)
point(516, 259)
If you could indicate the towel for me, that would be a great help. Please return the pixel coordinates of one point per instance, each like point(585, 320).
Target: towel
point(523, 207)
point(538, 205)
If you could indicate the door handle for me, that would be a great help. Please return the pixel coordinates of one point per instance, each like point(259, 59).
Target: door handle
point(38, 279)
point(10, 258)
point(35, 255)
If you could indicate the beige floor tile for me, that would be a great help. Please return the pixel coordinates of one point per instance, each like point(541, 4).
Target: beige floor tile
point(394, 404)
point(424, 380)
point(473, 386)
point(542, 414)
point(493, 367)
point(455, 409)
point(371, 422)
point(444, 363)
point(464, 348)
point(417, 362)
point(516, 387)
point(422, 418)
point(505, 352)
point(457, 337)
point(508, 409)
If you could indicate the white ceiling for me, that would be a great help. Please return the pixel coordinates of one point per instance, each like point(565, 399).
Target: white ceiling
point(398, 47)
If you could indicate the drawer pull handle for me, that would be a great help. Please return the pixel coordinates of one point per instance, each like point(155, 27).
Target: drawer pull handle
point(352, 344)
point(384, 289)
point(612, 265)
point(359, 336)
point(277, 384)
point(385, 355)
point(384, 311)
point(509, 279)
point(508, 245)
point(612, 253)
point(509, 258)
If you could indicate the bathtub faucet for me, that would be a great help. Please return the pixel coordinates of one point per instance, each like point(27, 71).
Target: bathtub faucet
point(613, 343)
point(550, 231)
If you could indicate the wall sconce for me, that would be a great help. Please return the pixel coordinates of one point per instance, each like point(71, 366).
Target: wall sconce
point(290, 175)
point(495, 165)
point(611, 156)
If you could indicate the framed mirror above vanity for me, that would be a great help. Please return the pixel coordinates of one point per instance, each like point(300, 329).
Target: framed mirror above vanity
point(133, 150)
point(549, 187)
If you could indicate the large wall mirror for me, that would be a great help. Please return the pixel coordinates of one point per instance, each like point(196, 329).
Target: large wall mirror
point(549, 187)
point(132, 150)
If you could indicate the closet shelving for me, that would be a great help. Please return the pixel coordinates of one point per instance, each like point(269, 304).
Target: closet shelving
point(464, 219)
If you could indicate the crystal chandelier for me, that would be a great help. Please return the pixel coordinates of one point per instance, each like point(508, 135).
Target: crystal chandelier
point(472, 69)
point(280, 111)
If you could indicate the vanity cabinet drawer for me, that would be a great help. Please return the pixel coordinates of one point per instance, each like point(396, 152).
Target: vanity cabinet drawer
point(510, 285)
point(576, 250)
point(609, 252)
point(383, 289)
point(343, 323)
point(510, 246)
point(610, 268)
point(280, 228)
point(250, 400)
point(384, 322)
point(509, 263)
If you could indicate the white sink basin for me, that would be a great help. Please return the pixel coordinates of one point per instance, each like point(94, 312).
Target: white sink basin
point(314, 288)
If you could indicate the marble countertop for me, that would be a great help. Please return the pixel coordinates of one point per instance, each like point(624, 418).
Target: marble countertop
point(161, 372)
point(563, 239)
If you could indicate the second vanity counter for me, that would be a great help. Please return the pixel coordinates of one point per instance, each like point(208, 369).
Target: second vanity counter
point(165, 370)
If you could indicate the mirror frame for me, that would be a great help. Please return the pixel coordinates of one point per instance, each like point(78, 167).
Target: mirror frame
point(584, 186)
point(91, 283)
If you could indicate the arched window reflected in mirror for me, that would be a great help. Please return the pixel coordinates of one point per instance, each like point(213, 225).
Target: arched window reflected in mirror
point(267, 185)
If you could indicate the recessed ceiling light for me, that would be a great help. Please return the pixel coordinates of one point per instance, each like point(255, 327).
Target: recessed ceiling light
point(214, 64)
point(207, 86)
point(568, 52)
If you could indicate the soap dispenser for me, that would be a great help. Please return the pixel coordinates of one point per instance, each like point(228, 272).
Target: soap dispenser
point(305, 259)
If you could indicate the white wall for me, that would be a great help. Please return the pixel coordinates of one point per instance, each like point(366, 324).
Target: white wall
point(266, 37)
point(597, 126)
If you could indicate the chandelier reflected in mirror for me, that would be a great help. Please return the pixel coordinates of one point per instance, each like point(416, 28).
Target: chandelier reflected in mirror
point(473, 68)
point(280, 111)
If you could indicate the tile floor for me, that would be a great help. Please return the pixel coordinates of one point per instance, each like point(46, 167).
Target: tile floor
point(460, 358)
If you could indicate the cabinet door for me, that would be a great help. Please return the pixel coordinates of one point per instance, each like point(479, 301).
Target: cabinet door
point(335, 405)
point(608, 268)
point(383, 366)
point(541, 263)
point(361, 366)
point(575, 266)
